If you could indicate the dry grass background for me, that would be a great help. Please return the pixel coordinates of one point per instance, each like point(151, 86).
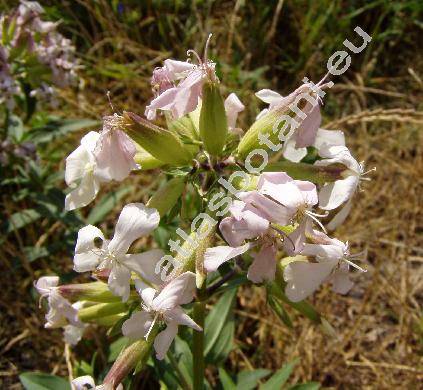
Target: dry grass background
point(379, 324)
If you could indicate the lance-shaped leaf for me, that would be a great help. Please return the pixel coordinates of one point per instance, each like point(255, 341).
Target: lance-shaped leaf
point(213, 121)
point(160, 143)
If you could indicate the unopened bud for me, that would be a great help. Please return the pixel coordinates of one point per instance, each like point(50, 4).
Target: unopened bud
point(314, 173)
point(162, 144)
point(145, 159)
point(269, 124)
point(134, 356)
point(91, 313)
point(213, 121)
point(93, 292)
point(166, 197)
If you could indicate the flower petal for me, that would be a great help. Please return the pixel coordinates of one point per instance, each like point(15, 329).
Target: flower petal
point(118, 281)
point(291, 152)
point(144, 264)
point(304, 278)
point(83, 383)
point(45, 283)
point(294, 243)
point(332, 195)
point(146, 292)
point(218, 255)
point(340, 279)
point(164, 339)
point(76, 163)
point(135, 220)
point(263, 267)
point(86, 258)
point(179, 291)
point(84, 194)
point(114, 154)
point(305, 135)
point(325, 138)
point(233, 106)
point(137, 326)
point(324, 251)
point(268, 96)
point(72, 334)
point(178, 316)
point(340, 217)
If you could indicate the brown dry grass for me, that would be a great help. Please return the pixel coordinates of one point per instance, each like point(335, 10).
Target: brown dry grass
point(378, 325)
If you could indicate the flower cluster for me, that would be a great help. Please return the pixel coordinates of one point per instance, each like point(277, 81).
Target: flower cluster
point(274, 224)
point(33, 54)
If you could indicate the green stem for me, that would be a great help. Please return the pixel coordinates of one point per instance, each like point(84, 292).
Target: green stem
point(198, 345)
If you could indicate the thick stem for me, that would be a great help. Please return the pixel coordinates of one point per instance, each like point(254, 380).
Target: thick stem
point(199, 314)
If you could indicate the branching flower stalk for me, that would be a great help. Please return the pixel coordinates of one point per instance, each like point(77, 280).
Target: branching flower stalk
point(240, 205)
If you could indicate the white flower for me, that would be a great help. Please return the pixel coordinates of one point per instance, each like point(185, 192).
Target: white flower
point(86, 382)
point(80, 173)
point(332, 265)
point(61, 312)
point(333, 194)
point(135, 220)
point(163, 306)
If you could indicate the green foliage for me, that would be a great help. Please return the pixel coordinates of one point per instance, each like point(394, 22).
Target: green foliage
point(40, 381)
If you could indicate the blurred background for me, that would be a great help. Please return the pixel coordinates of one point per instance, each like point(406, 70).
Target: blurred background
point(256, 44)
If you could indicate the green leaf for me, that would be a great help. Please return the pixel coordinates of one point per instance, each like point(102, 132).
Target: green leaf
point(106, 205)
point(225, 380)
point(216, 320)
point(21, 219)
point(280, 311)
point(279, 378)
point(56, 128)
point(40, 381)
point(224, 344)
point(248, 380)
point(306, 386)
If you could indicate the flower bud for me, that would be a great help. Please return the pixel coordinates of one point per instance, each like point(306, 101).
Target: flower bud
point(145, 159)
point(314, 173)
point(166, 197)
point(91, 313)
point(267, 124)
point(213, 121)
point(134, 356)
point(160, 143)
point(182, 126)
point(94, 292)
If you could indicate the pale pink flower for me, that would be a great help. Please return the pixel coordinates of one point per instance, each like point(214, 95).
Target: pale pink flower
point(333, 260)
point(164, 306)
point(178, 85)
point(86, 382)
point(115, 151)
point(278, 200)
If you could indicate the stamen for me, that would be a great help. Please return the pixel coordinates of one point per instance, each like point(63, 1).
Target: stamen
point(110, 101)
point(206, 48)
point(311, 215)
point(353, 264)
point(151, 326)
point(319, 215)
point(195, 54)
